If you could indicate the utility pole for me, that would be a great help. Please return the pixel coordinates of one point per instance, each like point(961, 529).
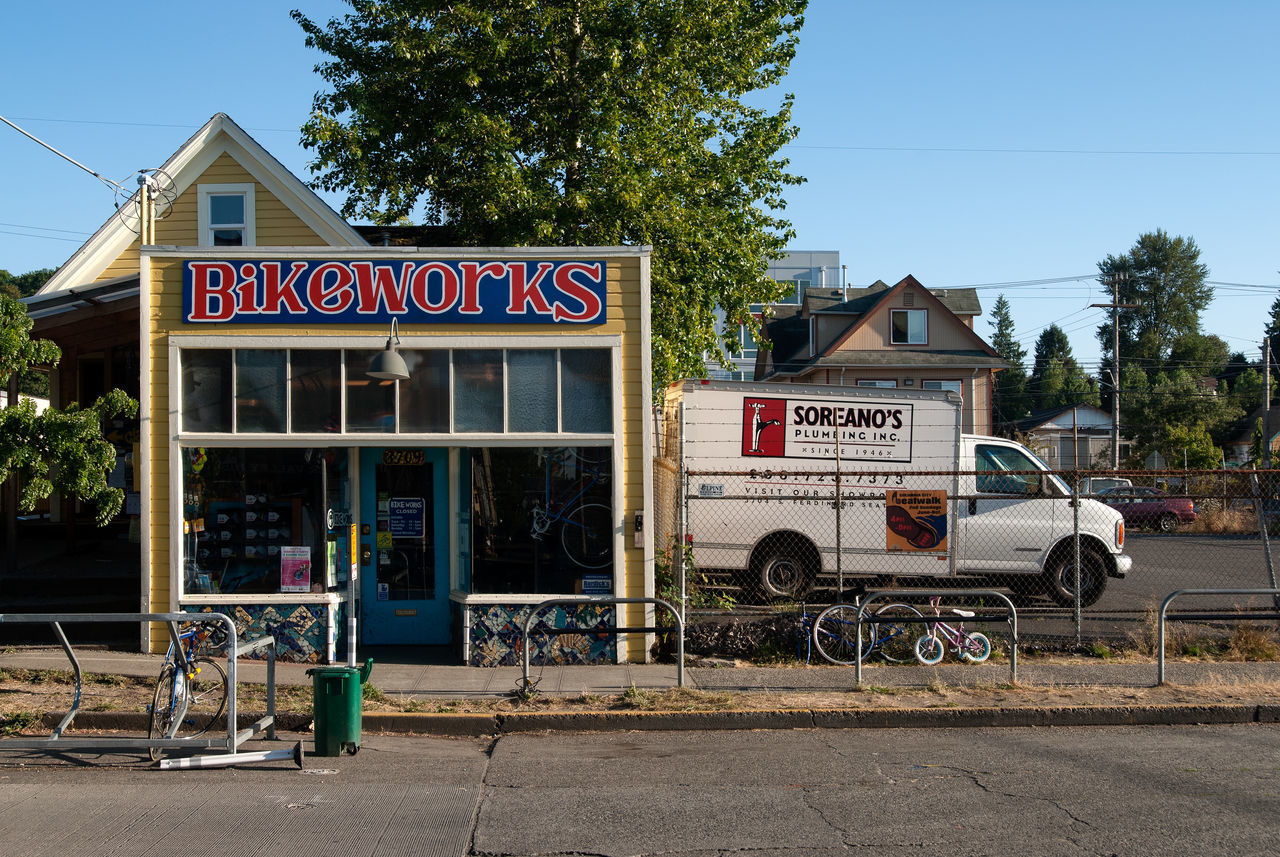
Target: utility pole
point(1266, 402)
point(1114, 280)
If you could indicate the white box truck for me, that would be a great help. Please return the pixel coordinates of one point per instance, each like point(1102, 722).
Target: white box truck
point(761, 465)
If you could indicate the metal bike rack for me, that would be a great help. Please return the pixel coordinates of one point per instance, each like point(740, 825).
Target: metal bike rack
point(228, 744)
point(602, 599)
point(935, 593)
point(1207, 616)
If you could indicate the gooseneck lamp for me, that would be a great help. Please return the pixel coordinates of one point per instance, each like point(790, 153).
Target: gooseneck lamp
point(388, 365)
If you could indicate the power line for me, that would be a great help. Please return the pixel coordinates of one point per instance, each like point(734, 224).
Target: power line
point(979, 150)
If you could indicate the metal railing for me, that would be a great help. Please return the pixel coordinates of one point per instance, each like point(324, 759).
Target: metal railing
point(228, 744)
point(1206, 616)
point(607, 629)
point(1012, 618)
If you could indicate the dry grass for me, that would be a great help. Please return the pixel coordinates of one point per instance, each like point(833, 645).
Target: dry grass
point(1224, 521)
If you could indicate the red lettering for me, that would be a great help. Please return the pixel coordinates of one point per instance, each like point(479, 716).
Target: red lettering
point(248, 290)
point(472, 273)
point(566, 280)
point(379, 286)
point(276, 291)
point(523, 294)
point(331, 298)
point(422, 280)
point(212, 284)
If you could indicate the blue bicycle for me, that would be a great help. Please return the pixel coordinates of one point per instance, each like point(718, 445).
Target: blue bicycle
point(836, 637)
point(189, 702)
point(586, 528)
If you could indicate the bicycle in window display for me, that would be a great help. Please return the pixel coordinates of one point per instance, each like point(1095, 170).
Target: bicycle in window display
point(586, 527)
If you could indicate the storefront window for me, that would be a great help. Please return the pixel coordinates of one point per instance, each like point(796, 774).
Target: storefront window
point(260, 390)
point(531, 390)
point(586, 397)
point(542, 520)
point(254, 520)
point(314, 388)
point(206, 390)
point(424, 398)
point(477, 397)
point(371, 402)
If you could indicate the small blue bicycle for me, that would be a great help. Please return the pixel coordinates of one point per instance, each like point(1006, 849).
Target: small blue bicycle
point(189, 702)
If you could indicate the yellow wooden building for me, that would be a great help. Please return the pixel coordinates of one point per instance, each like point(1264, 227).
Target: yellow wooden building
point(496, 457)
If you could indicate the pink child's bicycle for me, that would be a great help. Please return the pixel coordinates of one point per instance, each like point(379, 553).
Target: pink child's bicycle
point(972, 646)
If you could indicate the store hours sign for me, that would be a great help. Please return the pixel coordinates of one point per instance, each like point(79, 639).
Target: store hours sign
point(412, 291)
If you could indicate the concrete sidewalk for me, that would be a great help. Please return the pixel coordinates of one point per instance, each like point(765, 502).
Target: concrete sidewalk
point(397, 674)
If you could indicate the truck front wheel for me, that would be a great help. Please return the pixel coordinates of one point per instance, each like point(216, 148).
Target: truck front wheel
point(1061, 577)
point(783, 574)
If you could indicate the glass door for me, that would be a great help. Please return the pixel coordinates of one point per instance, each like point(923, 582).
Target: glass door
point(404, 545)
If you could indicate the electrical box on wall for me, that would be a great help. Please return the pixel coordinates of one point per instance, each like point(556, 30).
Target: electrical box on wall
point(639, 530)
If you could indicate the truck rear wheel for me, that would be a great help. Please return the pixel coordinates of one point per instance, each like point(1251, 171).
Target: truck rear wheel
point(1060, 577)
point(783, 573)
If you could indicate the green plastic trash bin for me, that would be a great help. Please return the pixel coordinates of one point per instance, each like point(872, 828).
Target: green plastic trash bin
point(337, 698)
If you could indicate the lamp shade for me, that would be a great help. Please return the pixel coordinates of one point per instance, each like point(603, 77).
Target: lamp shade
point(388, 365)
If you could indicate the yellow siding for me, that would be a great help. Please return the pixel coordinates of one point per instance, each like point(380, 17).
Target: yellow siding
point(164, 317)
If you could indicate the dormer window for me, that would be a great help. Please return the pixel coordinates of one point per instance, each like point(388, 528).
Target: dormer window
point(909, 327)
point(227, 215)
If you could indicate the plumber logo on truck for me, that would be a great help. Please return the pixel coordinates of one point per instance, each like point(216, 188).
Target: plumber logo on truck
point(799, 428)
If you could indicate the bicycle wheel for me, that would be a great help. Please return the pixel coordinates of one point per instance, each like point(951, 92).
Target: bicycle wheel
point(206, 697)
point(586, 532)
point(929, 650)
point(835, 637)
point(162, 708)
point(893, 640)
point(975, 649)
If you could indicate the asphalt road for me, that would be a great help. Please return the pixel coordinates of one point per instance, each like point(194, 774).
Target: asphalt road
point(1123, 790)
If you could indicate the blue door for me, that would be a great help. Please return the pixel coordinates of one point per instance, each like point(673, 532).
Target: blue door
point(404, 590)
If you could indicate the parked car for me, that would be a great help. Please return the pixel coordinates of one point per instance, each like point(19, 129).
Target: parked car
point(1090, 485)
point(1149, 507)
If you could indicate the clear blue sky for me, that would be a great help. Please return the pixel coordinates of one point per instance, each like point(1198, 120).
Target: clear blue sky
point(978, 143)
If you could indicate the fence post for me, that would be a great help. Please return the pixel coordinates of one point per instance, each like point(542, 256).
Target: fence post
point(1075, 529)
point(839, 542)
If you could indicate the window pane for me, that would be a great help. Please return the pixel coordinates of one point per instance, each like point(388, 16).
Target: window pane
point(531, 391)
point(260, 390)
point(206, 390)
point(542, 519)
point(586, 390)
point(315, 401)
point(909, 327)
point(477, 392)
point(228, 237)
point(371, 402)
point(424, 398)
point(254, 521)
point(226, 210)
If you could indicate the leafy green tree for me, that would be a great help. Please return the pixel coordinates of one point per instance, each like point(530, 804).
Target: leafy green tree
point(1056, 379)
point(1153, 404)
point(1191, 444)
point(62, 450)
point(574, 122)
point(1203, 354)
point(1165, 277)
point(1011, 397)
point(23, 285)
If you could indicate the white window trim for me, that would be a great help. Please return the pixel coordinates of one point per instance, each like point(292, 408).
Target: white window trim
point(245, 189)
point(908, 340)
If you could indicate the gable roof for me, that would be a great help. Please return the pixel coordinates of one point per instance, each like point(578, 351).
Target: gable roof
point(790, 330)
point(220, 135)
point(1041, 418)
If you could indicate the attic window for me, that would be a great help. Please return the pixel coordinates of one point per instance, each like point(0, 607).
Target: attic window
point(909, 327)
point(227, 215)
point(908, 298)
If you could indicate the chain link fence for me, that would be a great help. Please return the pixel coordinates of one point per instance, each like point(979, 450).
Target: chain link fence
point(1087, 556)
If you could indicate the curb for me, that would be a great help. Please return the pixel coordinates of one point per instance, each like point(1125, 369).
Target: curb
point(446, 724)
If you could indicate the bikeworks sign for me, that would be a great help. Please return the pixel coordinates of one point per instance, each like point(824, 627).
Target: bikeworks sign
point(799, 428)
point(411, 291)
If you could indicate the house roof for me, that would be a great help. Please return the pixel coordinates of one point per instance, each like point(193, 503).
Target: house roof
point(1037, 419)
point(185, 166)
point(789, 334)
